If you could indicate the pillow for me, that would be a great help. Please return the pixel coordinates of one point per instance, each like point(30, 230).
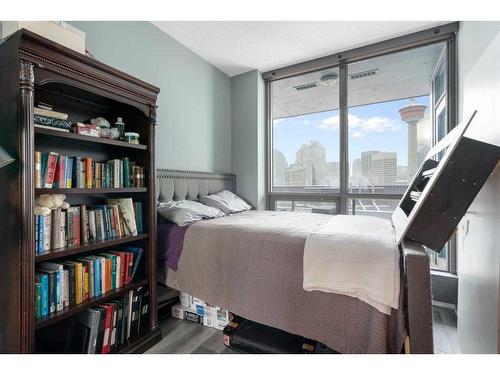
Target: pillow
point(226, 201)
point(186, 212)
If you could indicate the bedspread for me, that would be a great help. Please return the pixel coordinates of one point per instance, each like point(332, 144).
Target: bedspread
point(252, 264)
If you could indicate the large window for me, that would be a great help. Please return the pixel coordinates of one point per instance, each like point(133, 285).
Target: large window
point(305, 132)
point(349, 138)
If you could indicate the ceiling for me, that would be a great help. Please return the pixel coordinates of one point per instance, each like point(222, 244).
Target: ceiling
point(398, 76)
point(237, 47)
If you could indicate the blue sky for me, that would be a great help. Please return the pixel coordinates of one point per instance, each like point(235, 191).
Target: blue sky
point(371, 127)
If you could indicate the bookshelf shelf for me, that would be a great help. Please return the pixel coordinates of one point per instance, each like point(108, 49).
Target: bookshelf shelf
point(66, 252)
point(86, 138)
point(72, 310)
point(39, 191)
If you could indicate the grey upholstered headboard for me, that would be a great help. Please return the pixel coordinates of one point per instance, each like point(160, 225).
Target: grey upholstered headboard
point(179, 185)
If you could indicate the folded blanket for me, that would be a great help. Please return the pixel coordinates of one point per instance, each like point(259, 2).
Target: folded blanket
point(356, 256)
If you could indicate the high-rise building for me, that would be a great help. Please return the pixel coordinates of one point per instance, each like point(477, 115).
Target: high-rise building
point(384, 168)
point(366, 163)
point(311, 157)
point(279, 167)
point(296, 175)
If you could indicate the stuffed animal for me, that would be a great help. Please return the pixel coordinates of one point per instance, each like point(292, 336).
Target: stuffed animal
point(47, 202)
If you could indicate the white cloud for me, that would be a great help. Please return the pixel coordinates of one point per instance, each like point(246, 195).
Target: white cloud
point(360, 126)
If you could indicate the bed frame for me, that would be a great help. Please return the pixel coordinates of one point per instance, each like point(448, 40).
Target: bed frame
point(178, 185)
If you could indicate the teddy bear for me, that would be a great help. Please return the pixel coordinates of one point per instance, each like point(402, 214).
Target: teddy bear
point(47, 202)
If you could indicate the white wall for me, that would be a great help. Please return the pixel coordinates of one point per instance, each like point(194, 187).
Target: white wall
point(478, 239)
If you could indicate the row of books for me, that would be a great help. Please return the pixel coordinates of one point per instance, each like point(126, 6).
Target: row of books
point(78, 225)
point(60, 285)
point(53, 170)
point(104, 328)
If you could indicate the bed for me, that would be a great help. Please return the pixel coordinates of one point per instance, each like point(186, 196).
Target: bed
point(251, 263)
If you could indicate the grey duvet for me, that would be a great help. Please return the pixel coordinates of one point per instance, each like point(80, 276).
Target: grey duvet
point(252, 264)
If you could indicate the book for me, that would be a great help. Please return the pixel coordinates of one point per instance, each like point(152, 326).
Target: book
point(144, 311)
point(38, 300)
point(70, 267)
point(138, 217)
point(51, 122)
point(49, 113)
point(137, 251)
point(50, 169)
point(106, 345)
point(38, 169)
point(90, 318)
point(56, 236)
point(127, 211)
point(60, 177)
point(69, 172)
point(100, 333)
point(84, 224)
point(51, 128)
point(43, 280)
point(135, 313)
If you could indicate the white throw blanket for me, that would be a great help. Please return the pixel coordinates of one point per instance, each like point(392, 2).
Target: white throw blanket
point(356, 256)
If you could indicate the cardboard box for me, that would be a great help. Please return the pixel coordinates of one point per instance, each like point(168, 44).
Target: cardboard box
point(210, 316)
point(57, 31)
point(186, 313)
point(223, 318)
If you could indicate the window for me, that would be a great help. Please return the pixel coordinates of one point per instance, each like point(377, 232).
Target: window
point(348, 139)
point(315, 207)
point(305, 149)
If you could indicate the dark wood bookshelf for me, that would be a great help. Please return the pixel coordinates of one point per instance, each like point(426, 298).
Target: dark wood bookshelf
point(139, 344)
point(34, 69)
point(75, 309)
point(65, 252)
point(86, 138)
point(39, 191)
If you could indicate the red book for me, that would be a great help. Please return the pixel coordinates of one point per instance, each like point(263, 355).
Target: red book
point(59, 177)
point(88, 173)
point(106, 343)
point(51, 169)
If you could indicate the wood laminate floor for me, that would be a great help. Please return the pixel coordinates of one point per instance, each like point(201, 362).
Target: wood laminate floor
point(180, 337)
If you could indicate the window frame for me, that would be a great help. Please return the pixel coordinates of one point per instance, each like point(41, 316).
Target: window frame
point(445, 33)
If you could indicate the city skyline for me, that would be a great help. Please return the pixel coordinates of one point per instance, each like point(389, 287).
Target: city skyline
point(371, 127)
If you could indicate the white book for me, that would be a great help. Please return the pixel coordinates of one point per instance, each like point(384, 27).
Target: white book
point(63, 229)
point(66, 288)
point(127, 210)
point(118, 270)
point(47, 231)
point(92, 227)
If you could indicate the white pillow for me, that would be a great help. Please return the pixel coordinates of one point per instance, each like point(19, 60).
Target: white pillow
point(226, 201)
point(186, 212)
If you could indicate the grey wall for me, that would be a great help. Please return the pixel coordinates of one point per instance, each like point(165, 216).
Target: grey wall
point(194, 113)
point(478, 241)
point(248, 137)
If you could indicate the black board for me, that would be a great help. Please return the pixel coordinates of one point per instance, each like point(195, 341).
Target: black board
point(442, 192)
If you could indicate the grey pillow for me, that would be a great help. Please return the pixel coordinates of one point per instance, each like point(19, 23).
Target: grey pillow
point(186, 212)
point(226, 201)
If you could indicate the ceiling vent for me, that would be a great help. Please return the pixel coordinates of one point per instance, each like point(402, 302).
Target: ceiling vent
point(366, 73)
point(306, 86)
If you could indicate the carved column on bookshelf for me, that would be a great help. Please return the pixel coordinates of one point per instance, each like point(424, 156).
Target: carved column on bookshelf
point(152, 115)
point(152, 219)
point(26, 86)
